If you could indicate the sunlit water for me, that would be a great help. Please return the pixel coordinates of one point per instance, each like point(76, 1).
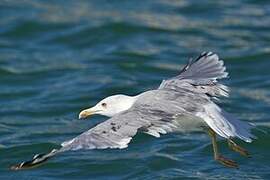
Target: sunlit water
point(58, 57)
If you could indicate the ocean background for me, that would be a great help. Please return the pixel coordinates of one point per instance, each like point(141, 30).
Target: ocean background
point(59, 57)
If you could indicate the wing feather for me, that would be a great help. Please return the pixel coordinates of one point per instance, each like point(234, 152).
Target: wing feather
point(206, 66)
point(118, 131)
point(200, 76)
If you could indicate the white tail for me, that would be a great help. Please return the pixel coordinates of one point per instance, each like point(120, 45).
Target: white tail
point(224, 124)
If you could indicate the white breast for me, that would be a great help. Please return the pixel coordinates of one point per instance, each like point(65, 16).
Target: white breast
point(189, 124)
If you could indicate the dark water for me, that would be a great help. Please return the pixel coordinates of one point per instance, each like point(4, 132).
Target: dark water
point(58, 57)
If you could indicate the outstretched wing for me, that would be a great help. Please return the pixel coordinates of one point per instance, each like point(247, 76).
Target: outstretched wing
point(118, 131)
point(200, 76)
point(207, 66)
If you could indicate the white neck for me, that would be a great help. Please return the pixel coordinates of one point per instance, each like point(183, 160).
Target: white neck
point(118, 104)
point(126, 103)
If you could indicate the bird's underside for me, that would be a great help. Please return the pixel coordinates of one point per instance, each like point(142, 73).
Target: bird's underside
point(182, 103)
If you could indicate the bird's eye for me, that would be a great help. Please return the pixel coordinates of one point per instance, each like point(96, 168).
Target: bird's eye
point(104, 105)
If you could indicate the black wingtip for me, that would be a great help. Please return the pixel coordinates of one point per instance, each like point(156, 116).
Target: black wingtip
point(191, 61)
point(205, 53)
point(37, 160)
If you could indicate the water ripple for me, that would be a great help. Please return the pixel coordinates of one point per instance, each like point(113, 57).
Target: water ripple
point(58, 57)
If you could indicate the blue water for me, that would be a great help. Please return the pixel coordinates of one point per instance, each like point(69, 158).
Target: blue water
point(59, 57)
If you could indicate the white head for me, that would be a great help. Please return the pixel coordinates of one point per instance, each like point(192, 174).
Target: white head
point(110, 106)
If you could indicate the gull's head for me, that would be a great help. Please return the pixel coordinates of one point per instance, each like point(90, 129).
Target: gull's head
point(110, 106)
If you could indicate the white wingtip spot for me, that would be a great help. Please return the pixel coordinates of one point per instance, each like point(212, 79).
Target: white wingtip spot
point(123, 143)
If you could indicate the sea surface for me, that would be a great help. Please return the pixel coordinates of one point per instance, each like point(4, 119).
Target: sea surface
point(59, 57)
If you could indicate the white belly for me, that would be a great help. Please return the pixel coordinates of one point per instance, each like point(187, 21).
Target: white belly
point(190, 124)
point(181, 124)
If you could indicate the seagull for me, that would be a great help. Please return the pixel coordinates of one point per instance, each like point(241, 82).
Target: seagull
point(184, 103)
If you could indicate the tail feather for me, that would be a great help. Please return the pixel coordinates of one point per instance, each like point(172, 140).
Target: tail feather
point(225, 124)
point(37, 160)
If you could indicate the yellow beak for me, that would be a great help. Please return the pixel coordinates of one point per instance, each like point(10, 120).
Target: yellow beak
point(85, 113)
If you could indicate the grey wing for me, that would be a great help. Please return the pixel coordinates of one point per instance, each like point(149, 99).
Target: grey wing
point(206, 66)
point(200, 76)
point(118, 131)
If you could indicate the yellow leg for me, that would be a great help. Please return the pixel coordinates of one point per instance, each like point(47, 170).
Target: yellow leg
point(235, 147)
point(225, 161)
